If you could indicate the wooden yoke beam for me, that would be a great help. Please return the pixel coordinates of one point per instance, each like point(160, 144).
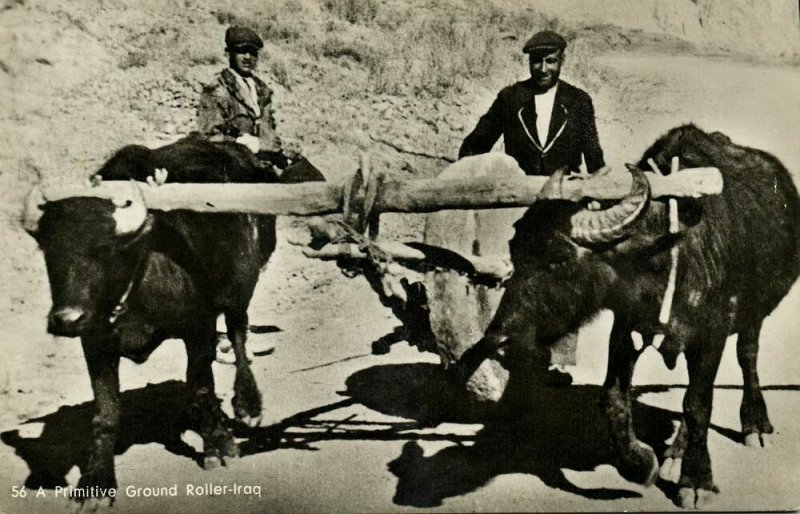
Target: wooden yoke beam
point(395, 195)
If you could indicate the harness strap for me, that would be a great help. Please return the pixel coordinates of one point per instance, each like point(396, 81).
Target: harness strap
point(122, 304)
point(674, 227)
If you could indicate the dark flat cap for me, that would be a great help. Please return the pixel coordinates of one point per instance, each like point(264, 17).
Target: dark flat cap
point(242, 38)
point(545, 40)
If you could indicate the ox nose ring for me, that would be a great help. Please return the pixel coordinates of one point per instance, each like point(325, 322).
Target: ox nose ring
point(65, 321)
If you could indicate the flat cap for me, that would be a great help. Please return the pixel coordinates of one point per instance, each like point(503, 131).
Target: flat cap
point(545, 40)
point(242, 38)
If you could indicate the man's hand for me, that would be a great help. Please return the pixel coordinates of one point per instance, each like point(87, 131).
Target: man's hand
point(292, 152)
point(158, 178)
point(250, 141)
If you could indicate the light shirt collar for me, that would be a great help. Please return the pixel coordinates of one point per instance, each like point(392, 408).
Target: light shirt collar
point(247, 85)
point(544, 112)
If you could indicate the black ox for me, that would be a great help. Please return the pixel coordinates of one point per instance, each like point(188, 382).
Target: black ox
point(124, 279)
point(738, 257)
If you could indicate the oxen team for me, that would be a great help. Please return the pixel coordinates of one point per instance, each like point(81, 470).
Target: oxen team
point(124, 279)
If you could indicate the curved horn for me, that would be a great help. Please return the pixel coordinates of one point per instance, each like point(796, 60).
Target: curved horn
point(33, 210)
point(593, 227)
point(131, 211)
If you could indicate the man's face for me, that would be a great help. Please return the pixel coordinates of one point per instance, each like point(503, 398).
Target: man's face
point(244, 61)
point(546, 67)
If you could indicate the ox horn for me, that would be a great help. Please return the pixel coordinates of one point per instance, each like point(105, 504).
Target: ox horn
point(593, 227)
point(131, 211)
point(33, 210)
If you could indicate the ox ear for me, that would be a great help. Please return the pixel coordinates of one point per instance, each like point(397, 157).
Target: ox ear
point(34, 204)
point(131, 211)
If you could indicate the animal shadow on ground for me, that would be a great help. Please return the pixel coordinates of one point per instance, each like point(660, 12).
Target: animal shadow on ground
point(151, 414)
point(534, 432)
point(537, 432)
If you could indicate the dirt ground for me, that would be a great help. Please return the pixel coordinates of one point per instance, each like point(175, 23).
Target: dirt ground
point(348, 431)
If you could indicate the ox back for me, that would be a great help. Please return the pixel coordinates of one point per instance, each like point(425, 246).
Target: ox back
point(197, 160)
point(190, 159)
point(746, 244)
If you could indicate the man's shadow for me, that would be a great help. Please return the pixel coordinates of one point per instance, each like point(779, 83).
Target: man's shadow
point(533, 430)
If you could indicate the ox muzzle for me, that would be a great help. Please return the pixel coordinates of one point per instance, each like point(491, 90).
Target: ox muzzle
point(67, 321)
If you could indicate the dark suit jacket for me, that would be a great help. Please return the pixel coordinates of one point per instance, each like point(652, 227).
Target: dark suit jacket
point(572, 130)
point(223, 114)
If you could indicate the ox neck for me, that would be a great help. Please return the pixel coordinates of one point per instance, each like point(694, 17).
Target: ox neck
point(138, 272)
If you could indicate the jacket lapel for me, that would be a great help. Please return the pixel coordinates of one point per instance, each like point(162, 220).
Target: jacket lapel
point(235, 90)
point(264, 93)
point(527, 117)
point(558, 119)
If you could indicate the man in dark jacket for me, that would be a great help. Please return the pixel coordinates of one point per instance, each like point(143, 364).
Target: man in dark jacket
point(238, 106)
point(546, 124)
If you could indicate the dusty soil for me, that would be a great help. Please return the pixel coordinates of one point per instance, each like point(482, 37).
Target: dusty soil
point(345, 430)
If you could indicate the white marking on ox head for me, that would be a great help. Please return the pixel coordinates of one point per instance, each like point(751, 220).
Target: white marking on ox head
point(130, 213)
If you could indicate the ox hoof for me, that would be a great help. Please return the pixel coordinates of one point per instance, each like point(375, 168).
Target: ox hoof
point(247, 410)
point(756, 440)
point(251, 422)
point(689, 498)
point(247, 413)
point(671, 469)
point(89, 505)
point(220, 453)
point(638, 464)
point(212, 462)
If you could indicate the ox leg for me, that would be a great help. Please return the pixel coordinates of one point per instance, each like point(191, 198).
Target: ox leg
point(673, 456)
point(634, 460)
point(102, 361)
point(753, 412)
point(205, 414)
point(696, 484)
point(246, 398)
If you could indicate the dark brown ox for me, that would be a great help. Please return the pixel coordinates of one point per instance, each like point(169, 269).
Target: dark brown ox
point(738, 256)
point(124, 279)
